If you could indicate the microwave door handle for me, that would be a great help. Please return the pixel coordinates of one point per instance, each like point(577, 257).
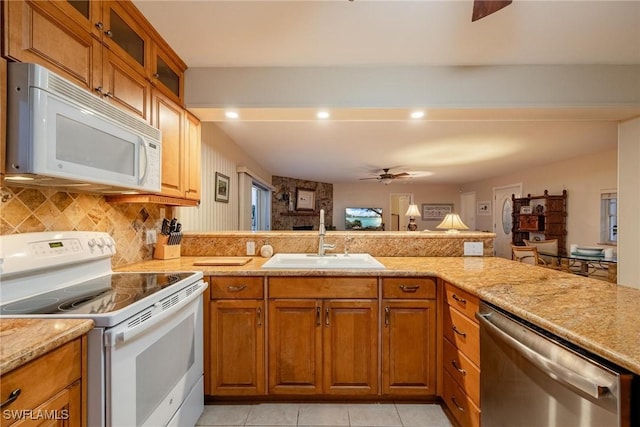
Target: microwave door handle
point(144, 164)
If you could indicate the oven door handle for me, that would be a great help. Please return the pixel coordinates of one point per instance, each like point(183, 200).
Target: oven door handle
point(114, 337)
point(554, 370)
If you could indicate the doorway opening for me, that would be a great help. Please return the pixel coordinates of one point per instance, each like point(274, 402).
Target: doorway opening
point(503, 218)
point(260, 207)
point(399, 204)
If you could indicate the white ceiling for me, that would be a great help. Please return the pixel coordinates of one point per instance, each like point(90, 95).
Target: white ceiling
point(448, 145)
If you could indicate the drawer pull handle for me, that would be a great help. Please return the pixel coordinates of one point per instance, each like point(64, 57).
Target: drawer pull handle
point(386, 317)
point(460, 300)
point(236, 288)
point(318, 316)
point(12, 397)
point(459, 369)
point(455, 402)
point(259, 313)
point(409, 289)
point(462, 334)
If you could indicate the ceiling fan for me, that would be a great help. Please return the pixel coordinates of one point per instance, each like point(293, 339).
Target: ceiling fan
point(387, 177)
point(482, 8)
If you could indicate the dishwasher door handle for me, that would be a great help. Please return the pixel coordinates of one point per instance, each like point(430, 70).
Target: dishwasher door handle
point(549, 367)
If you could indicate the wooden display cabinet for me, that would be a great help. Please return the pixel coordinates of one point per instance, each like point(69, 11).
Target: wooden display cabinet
point(547, 219)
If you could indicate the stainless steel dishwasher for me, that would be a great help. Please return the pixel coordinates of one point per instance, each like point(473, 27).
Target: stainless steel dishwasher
point(531, 378)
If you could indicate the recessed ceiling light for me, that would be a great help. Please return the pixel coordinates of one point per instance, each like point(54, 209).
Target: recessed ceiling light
point(231, 115)
point(417, 114)
point(323, 115)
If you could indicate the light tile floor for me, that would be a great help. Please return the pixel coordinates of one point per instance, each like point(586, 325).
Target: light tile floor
point(325, 414)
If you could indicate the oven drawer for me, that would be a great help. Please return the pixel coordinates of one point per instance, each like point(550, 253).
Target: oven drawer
point(409, 288)
point(42, 378)
point(236, 287)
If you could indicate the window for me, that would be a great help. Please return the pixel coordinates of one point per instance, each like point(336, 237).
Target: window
point(609, 217)
point(260, 207)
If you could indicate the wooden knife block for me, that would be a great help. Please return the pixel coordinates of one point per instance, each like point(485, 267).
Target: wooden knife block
point(165, 251)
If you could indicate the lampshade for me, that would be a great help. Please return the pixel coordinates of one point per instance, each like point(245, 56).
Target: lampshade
point(452, 223)
point(386, 181)
point(412, 211)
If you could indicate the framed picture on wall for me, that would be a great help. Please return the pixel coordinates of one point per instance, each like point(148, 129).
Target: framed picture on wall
point(483, 208)
point(305, 200)
point(435, 211)
point(222, 188)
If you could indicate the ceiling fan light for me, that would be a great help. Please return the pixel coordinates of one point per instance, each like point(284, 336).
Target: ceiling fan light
point(417, 114)
point(386, 181)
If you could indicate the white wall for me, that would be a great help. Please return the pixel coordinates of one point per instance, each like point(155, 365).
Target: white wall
point(219, 154)
point(583, 177)
point(629, 203)
point(377, 195)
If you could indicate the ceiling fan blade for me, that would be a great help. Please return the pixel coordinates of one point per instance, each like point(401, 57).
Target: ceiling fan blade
point(401, 175)
point(482, 8)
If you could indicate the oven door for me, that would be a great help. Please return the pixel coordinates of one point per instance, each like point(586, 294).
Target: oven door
point(153, 363)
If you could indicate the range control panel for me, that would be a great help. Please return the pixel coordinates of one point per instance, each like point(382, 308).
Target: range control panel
point(20, 253)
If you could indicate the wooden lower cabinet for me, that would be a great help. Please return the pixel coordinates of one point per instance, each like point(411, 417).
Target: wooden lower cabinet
point(323, 347)
point(323, 336)
point(461, 356)
point(235, 337)
point(51, 389)
point(409, 348)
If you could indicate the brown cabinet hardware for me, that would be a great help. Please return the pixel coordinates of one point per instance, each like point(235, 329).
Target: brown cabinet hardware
point(238, 288)
point(460, 300)
point(259, 313)
point(463, 334)
point(12, 397)
point(409, 289)
point(459, 369)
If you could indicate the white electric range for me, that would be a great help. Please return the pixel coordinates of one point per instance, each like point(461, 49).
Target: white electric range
point(145, 355)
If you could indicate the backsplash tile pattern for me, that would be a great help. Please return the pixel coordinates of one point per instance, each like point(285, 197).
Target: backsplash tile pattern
point(25, 210)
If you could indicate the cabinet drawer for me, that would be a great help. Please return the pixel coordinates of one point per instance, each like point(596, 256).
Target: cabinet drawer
point(462, 333)
point(236, 287)
point(323, 287)
point(462, 370)
point(411, 287)
point(462, 408)
point(463, 301)
point(43, 377)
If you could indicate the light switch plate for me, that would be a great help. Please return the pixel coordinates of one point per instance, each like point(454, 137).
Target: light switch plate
point(473, 248)
point(251, 248)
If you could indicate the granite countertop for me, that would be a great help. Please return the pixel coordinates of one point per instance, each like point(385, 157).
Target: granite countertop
point(596, 315)
point(23, 340)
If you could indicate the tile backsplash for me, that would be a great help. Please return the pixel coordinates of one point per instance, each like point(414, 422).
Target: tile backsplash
point(25, 210)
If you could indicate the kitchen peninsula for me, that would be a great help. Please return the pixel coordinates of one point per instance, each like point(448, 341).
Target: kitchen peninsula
point(596, 315)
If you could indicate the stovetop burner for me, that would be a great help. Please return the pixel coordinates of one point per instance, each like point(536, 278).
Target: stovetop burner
point(103, 294)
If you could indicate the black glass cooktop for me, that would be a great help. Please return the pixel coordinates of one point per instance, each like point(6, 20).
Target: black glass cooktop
point(100, 295)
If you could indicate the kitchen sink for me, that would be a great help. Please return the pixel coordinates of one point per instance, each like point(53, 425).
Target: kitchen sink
point(325, 262)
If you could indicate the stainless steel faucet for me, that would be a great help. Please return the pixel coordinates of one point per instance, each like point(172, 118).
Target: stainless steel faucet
point(322, 231)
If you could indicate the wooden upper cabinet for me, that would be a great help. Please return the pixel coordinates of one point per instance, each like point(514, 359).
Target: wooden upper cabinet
point(167, 73)
point(193, 168)
point(123, 87)
point(43, 33)
point(168, 117)
point(124, 33)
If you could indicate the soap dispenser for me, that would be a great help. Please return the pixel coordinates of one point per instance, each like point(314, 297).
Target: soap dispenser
point(266, 251)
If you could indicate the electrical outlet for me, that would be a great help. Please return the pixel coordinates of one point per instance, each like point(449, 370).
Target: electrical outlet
point(251, 248)
point(150, 237)
point(473, 248)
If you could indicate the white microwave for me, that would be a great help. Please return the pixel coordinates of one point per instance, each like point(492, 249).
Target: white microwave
point(59, 135)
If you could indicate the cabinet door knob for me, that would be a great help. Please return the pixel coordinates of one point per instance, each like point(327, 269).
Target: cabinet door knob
point(108, 33)
point(99, 25)
point(156, 75)
point(386, 316)
point(259, 314)
point(326, 316)
point(12, 397)
point(98, 90)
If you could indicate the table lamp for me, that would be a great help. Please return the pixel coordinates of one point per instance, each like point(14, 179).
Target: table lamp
point(411, 213)
point(452, 223)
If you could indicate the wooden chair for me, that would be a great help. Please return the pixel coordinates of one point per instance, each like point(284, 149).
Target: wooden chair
point(547, 250)
point(527, 255)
